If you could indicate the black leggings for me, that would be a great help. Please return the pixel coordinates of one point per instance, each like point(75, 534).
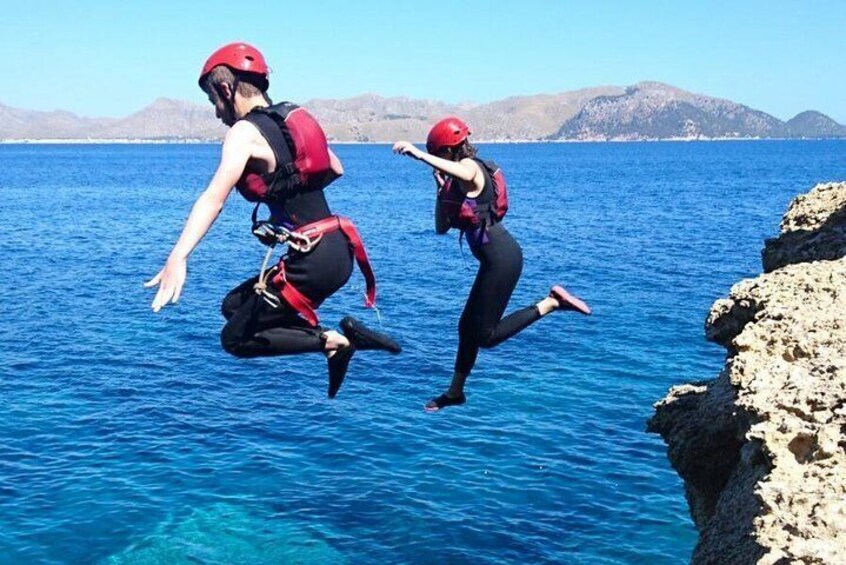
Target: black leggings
point(482, 324)
point(254, 328)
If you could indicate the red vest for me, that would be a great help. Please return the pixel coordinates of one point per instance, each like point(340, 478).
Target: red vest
point(300, 148)
point(466, 213)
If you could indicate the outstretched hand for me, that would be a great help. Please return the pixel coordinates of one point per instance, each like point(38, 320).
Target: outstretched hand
point(408, 149)
point(170, 280)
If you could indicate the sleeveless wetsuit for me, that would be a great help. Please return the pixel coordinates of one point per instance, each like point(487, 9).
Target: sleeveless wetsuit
point(254, 328)
point(500, 264)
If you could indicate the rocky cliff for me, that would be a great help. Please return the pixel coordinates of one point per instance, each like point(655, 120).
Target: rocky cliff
point(762, 447)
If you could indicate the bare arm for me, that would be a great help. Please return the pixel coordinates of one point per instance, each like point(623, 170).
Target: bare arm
point(235, 154)
point(209, 204)
point(466, 169)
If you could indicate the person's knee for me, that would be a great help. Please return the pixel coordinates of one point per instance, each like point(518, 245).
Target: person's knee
point(479, 337)
point(487, 339)
point(232, 344)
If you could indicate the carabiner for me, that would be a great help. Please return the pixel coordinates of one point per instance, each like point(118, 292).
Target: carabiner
point(301, 242)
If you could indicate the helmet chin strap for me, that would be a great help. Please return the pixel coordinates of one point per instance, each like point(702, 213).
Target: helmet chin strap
point(234, 89)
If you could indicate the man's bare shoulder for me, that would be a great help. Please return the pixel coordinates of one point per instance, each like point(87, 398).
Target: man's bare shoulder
point(242, 132)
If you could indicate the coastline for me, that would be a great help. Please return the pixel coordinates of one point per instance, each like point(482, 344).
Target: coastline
point(193, 141)
point(117, 141)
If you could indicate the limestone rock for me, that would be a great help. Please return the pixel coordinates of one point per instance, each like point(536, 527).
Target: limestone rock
point(762, 448)
point(814, 228)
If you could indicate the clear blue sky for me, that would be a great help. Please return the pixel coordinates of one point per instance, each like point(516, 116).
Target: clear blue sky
point(112, 58)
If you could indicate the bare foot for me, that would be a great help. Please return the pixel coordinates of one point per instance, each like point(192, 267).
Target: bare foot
point(334, 342)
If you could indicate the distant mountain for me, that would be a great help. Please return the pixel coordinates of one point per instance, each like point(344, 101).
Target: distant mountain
point(29, 124)
point(814, 124)
point(166, 119)
point(651, 110)
point(531, 117)
point(644, 111)
point(373, 118)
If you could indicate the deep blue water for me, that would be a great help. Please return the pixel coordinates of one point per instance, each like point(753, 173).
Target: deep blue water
point(129, 437)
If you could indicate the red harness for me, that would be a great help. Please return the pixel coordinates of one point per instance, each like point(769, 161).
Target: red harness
point(311, 234)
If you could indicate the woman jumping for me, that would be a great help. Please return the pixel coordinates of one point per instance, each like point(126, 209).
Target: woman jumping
point(472, 197)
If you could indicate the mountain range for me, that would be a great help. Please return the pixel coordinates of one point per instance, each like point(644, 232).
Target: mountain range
point(644, 111)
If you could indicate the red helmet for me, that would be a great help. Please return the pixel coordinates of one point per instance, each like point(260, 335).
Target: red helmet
point(238, 57)
point(447, 133)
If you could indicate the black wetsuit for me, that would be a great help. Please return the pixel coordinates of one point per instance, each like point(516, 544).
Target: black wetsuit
point(500, 264)
point(254, 328)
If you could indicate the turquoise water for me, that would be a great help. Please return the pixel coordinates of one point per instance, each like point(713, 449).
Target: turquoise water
point(129, 437)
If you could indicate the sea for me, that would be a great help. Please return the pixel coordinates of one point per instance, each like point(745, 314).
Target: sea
point(130, 437)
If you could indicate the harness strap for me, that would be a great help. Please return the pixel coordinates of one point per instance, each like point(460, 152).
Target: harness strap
point(271, 124)
point(332, 223)
point(298, 301)
point(360, 254)
point(314, 231)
